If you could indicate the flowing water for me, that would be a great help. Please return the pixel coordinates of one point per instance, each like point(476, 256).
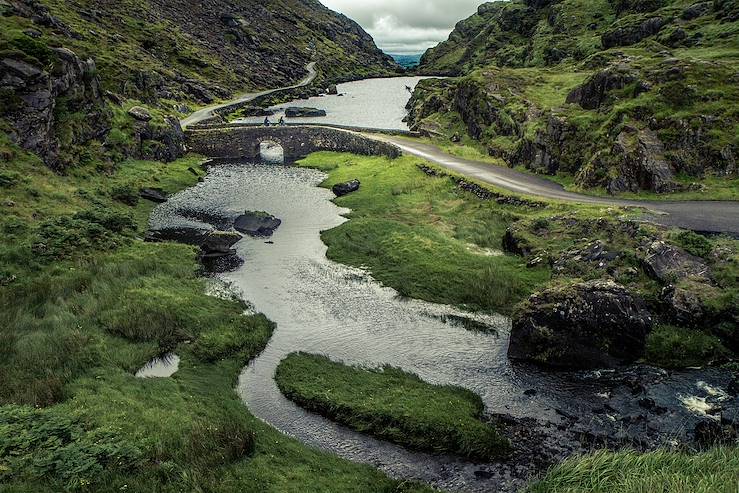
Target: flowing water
point(359, 105)
point(323, 307)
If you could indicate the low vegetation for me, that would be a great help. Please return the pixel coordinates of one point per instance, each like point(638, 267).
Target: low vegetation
point(632, 472)
point(84, 303)
point(393, 405)
point(424, 237)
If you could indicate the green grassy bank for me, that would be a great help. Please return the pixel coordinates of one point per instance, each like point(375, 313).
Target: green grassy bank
point(631, 472)
point(84, 302)
point(393, 405)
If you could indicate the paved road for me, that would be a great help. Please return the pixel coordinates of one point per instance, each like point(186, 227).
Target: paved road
point(208, 112)
point(704, 216)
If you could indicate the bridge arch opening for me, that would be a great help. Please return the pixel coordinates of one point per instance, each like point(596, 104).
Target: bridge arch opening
point(271, 152)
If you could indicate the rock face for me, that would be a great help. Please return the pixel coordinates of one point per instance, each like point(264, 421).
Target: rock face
point(341, 189)
point(295, 112)
point(640, 158)
point(588, 325)
point(594, 92)
point(632, 31)
point(31, 94)
point(257, 224)
point(140, 114)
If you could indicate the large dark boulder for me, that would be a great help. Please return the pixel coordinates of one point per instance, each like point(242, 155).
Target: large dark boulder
point(295, 112)
point(156, 195)
point(595, 324)
point(341, 189)
point(219, 243)
point(257, 223)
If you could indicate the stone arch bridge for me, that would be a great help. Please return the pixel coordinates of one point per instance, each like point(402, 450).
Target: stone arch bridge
point(239, 141)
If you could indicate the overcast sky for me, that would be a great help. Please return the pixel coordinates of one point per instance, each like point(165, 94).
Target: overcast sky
point(406, 26)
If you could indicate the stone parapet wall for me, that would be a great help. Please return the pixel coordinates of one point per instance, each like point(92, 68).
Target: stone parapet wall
point(240, 141)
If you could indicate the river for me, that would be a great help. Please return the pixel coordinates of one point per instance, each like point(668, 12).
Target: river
point(369, 103)
point(323, 307)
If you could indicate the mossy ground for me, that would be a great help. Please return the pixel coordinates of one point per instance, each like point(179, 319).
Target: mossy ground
point(393, 405)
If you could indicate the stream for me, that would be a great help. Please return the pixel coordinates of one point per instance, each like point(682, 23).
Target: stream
point(323, 307)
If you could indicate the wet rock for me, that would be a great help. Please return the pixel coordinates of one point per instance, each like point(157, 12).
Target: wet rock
point(140, 113)
point(257, 224)
point(585, 325)
point(156, 195)
point(595, 92)
point(668, 264)
point(341, 189)
point(186, 235)
point(219, 243)
point(638, 155)
point(296, 112)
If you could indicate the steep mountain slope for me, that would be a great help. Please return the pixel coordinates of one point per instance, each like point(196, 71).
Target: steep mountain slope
point(626, 95)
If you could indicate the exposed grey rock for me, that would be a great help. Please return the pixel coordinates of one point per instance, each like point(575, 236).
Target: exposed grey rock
point(257, 224)
point(595, 91)
point(629, 34)
point(341, 189)
point(669, 264)
point(640, 158)
point(296, 112)
point(696, 10)
point(586, 325)
point(333, 90)
point(140, 113)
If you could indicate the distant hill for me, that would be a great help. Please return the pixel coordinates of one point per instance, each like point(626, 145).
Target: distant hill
point(407, 61)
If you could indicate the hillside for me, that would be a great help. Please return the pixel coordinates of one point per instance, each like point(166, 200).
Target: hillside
point(622, 96)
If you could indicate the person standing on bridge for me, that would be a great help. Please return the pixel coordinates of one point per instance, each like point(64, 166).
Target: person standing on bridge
point(266, 121)
point(282, 121)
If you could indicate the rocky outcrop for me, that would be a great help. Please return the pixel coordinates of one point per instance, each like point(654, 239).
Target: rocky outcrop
point(596, 91)
point(156, 195)
point(587, 325)
point(638, 159)
point(553, 147)
point(257, 224)
point(341, 189)
point(482, 110)
point(631, 30)
point(219, 243)
point(31, 94)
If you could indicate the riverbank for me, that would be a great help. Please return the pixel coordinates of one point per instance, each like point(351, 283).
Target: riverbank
point(85, 303)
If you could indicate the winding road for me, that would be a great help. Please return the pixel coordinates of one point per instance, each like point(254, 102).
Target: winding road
point(701, 216)
point(209, 111)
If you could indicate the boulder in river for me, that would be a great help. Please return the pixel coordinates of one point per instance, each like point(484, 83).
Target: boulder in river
point(341, 189)
point(296, 112)
point(595, 324)
point(333, 90)
point(257, 223)
point(219, 243)
point(156, 195)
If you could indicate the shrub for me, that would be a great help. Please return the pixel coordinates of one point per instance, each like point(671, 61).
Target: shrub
point(675, 347)
point(125, 193)
point(694, 243)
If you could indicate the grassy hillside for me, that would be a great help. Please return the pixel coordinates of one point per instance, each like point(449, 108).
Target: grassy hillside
point(611, 96)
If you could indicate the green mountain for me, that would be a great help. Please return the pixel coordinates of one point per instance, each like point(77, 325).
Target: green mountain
point(621, 95)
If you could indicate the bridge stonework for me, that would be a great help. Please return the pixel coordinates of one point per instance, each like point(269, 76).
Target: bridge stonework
point(242, 141)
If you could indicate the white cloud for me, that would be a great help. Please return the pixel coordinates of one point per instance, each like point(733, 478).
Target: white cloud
point(406, 26)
